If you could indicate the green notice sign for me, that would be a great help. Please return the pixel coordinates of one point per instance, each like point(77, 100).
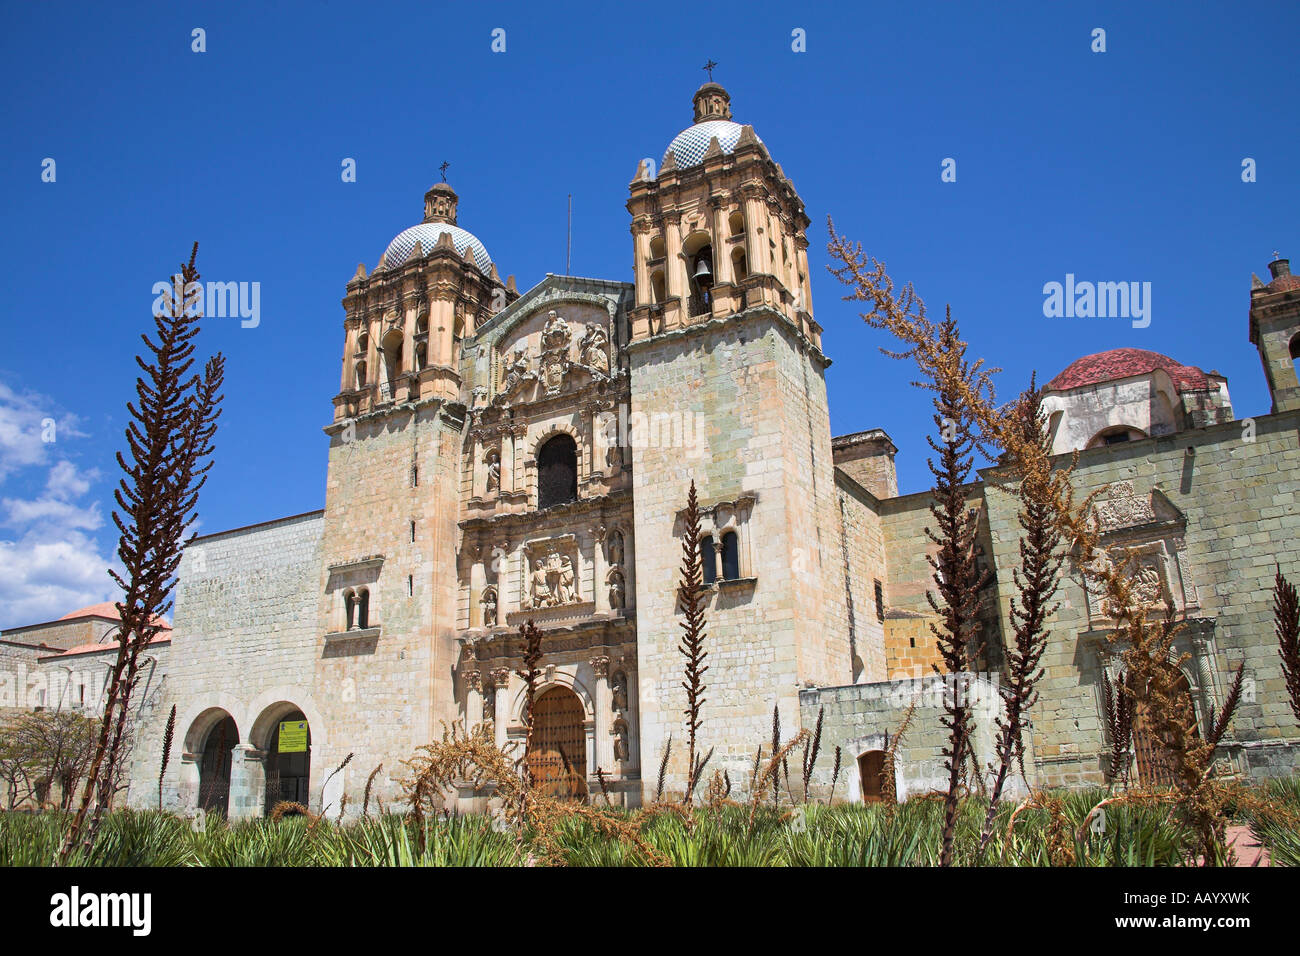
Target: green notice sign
point(293, 736)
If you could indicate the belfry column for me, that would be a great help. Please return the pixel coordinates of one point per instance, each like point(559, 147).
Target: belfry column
point(501, 688)
point(721, 260)
point(603, 723)
point(673, 264)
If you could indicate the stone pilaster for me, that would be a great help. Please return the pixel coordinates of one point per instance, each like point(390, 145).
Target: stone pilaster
point(603, 716)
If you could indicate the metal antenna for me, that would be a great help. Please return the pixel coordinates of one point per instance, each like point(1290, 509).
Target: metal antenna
point(568, 246)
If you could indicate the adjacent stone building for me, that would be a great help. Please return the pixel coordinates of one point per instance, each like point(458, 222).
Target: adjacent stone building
point(496, 457)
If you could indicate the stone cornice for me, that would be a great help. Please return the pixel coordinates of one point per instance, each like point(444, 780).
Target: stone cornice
point(749, 316)
point(526, 520)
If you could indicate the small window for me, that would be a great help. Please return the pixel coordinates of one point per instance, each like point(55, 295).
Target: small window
point(708, 559)
point(736, 223)
point(657, 247)
point(730, 556)
point(880, 602)
point(412, 530)
point(410, 585)
point(1116, 439)
point(415, 475)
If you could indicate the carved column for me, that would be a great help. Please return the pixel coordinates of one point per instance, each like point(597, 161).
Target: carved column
point(473, 699)
point(501, 685)
point(603, 716)
point(599, 590)
point(477, 581)
point(641, 242)
point(755, 215)
point(673, 265)
point(477, 470)
point(721, 260)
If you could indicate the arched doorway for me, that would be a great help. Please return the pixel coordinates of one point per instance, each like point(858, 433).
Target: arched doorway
point(558, 757)
point(214, 766)
point(288, 761)
point(871, 772)
point(1154, 764)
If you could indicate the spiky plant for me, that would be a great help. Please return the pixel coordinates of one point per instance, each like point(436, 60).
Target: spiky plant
point(168, 732)
point(531, 675)
point(1119, 726)
point(810, 752)
point(169, 437)
point(1286, 623)
point(1036, 579)
point(691, 597)
point(365, 796)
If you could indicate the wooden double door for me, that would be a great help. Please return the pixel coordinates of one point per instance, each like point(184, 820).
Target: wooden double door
point(558, 757)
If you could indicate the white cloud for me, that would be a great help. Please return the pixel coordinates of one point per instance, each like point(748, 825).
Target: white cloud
point(42, 579)
point(52, 564)
point(29, 429)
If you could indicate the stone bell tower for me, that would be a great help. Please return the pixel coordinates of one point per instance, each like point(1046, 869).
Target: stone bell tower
point(728, 389)
point(388, 591)
point(1275, 331)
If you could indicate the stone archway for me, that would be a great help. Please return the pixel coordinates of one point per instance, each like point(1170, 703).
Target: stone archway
point(871, 776)
point(215, 763)
point(558, 756)
point(288, 761)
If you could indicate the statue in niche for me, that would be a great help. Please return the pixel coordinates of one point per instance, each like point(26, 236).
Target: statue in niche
point(620, 741)
point(493, 472)
point(618, 690)
point(489, 608)
point(542, 596)
point(564, 586)
point(616, 548)
point(617, 592)
point(489, 704)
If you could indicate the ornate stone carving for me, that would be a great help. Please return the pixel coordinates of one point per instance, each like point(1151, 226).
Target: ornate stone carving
point(593, 349)
point(553, 581)
point(600, 665)
point(618, 691)
point(617, 591)
point(616, 548)
point(489, 603)
point(620, 732)
point(493, 472)
point(516, 370)
point(1122, 508)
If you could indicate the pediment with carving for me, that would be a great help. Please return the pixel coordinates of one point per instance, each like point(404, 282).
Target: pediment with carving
point(1146, 532)
point(553, 352)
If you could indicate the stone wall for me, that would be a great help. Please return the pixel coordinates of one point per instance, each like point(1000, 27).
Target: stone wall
point(243, 642)
point(762, 466)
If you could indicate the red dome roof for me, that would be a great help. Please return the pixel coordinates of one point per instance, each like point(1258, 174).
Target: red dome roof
point(1124, 363)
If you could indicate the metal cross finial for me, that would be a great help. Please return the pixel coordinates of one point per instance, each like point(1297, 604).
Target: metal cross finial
point(710, 67)
point(1276, 255)
point(443, 169)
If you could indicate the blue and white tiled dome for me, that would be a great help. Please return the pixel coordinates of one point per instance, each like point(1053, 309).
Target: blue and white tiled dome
point(689, 146)
point(427, 234)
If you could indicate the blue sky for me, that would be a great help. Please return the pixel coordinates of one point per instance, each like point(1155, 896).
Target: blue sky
point(1115, 166)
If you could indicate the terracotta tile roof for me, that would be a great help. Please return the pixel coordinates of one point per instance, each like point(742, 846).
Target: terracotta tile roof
point(1124, 363)
point(108, 610)
point(1284, 283)
point(104, 646)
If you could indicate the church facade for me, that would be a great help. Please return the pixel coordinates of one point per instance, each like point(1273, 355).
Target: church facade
point(497, 457)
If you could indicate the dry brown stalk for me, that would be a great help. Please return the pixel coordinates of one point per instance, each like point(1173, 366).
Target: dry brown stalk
point(365, 797)
point(169, 436)
point(691, 597)
point(1286, 624)
point(168, 732)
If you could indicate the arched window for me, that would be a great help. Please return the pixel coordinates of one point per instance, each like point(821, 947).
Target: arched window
point(708, 559)
point(871, 775)
point(363, 342)
point(1116, 435)
point(557, 472)
point(393, 355)
point(361, 375)
point(736, 223)
point(730, 556)
point(657, 291)
point(349, 609)
point(739, 267)
point(363, 608)
point(457, 337)
point(657, 249)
